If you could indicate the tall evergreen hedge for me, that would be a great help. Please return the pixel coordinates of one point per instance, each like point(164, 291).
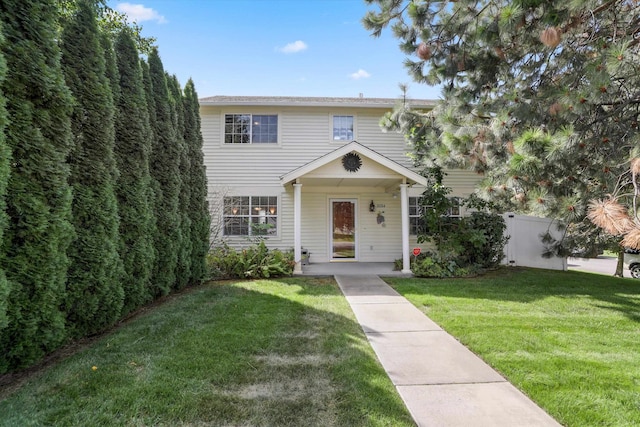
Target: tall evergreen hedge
point(111, 67)
point(183, 267)
point(94, 288)
point(196, 178)
point(4, 176)
point(165, 170)
point(102, 183)
point(39, 231)
point(133, 147)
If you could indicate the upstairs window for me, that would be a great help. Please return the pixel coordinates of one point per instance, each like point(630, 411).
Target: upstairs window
point(343, 128)
point(250, 129)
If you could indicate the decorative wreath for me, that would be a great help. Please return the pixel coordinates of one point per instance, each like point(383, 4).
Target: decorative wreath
point(351, 162)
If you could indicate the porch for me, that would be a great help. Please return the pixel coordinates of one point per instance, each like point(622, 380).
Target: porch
point(336, 187)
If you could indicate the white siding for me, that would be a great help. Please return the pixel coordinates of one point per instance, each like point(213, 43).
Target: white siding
point(376, 242)
point(304, 134)
point(315, 216)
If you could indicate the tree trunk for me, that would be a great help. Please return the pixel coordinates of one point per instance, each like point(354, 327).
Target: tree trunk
point(620, 264)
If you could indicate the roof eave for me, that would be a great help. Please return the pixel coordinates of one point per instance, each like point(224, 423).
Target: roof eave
point(311, 102)
point(348, 148)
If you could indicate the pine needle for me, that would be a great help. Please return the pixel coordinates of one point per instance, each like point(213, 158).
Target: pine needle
point(610, 215)
point(632, 239)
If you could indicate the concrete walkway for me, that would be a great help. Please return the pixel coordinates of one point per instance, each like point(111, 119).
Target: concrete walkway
point(441, 382)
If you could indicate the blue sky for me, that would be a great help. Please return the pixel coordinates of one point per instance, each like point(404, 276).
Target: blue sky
point(274, 47)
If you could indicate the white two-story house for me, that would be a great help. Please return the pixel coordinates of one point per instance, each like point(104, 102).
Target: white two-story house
point(316, 175)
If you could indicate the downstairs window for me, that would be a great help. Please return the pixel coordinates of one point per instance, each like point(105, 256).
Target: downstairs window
point(250, 216)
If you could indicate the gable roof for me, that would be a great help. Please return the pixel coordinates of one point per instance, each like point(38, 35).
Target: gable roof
point(354, 147)
point(290, 101)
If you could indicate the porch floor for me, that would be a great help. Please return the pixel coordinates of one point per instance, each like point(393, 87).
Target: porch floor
point(351, 268)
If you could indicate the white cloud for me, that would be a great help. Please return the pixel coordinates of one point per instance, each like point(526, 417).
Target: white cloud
point(139, 13)
point(297, 46)
point(360, 74)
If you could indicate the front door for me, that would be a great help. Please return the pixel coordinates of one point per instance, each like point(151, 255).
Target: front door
point(343, 229)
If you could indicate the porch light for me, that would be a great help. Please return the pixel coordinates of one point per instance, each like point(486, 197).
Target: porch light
point(372, 207)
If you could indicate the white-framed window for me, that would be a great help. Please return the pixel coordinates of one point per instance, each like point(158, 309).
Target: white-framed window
point(250, 129)
point(250, 216)
point(416, 222)
point(343, 128)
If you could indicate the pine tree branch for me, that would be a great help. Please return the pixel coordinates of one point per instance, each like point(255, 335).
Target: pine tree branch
point(576, 20)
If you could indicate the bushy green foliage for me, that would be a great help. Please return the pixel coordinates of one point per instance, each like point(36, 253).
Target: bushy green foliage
point(463, 245)
point(185, 245)
point(254, 262)
point(94, 287)
point(133, 189)
point(484, 244)
point(165, 171)
point(83, 127)
point(196, 180)
point(38, 194)
point(4, 177)
point(433, 265)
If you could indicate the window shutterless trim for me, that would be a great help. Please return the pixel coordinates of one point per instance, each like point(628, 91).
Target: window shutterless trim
point(341, 128)
point(246, 216)
point(250, 129)
point(415, 213)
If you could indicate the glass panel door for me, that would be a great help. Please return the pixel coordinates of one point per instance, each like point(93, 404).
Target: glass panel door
point(343, 226)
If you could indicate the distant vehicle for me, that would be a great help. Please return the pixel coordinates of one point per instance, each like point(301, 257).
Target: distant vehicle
point(632, 261)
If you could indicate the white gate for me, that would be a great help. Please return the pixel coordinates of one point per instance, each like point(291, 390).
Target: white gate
point(525, 246)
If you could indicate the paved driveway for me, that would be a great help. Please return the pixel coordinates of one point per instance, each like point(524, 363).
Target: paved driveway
point(600, 265)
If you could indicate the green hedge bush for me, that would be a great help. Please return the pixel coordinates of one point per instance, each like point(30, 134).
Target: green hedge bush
point(254, 262)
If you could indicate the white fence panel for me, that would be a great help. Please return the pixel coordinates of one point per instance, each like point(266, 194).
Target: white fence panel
point(525, 247)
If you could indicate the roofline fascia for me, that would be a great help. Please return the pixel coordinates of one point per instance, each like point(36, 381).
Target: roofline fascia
point(348, 148)
point(305, 103)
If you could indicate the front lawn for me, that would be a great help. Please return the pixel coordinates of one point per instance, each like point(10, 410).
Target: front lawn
point(569, 340)
point(278, 352)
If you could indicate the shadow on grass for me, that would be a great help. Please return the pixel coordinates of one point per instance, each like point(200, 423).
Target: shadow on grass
point(280, 352)
point(523, 285)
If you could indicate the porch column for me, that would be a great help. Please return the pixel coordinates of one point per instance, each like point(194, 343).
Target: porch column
point(404, 203)
point(297, 227)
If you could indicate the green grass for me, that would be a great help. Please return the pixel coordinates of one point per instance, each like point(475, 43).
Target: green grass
point(569, 340)
point(280, 352)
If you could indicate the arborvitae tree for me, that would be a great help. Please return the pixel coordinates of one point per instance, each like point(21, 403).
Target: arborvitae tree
point(94, 287)
point(4, 176)
point(542, 97)
point(39, 231)
point(154, 187)
point(183, 268)
point(198, 210)
point(150, 101)
point(165, 170)
point(133, 146)
point(111, 67)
